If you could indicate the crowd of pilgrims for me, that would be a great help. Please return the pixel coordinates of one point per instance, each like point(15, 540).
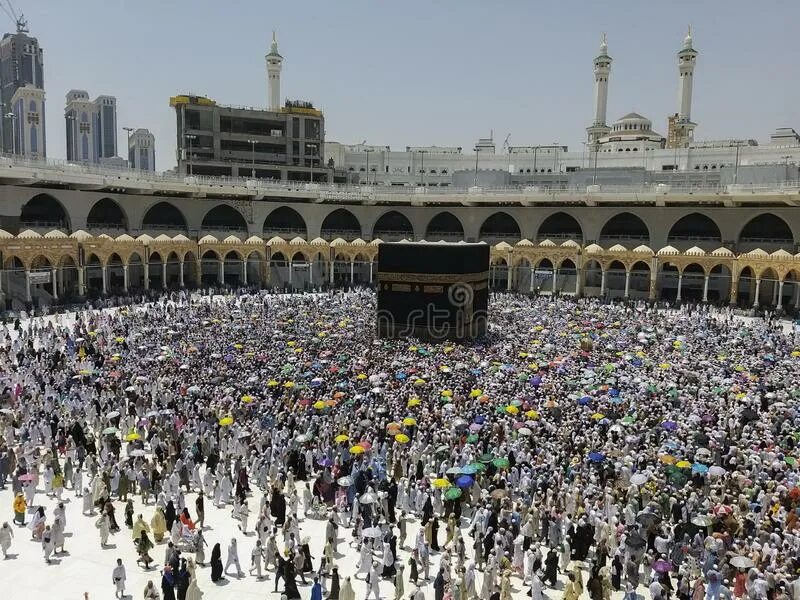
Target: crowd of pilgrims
point(583, 449)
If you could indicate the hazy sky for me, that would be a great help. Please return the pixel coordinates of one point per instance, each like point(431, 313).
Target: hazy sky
point(421, 72)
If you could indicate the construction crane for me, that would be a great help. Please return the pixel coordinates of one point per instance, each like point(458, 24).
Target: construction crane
point(505, 143)
point(19, 21)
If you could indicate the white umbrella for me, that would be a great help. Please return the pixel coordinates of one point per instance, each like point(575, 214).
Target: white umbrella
point(639, 479)
point(372, 532)
point(367, 498)
point(742, 562)
point(717, 471)
point(112, 415)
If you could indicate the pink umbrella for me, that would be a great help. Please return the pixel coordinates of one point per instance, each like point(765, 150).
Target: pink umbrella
point(28, 477)
point(662, 566)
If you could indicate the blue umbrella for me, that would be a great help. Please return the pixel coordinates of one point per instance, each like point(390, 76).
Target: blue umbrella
point(475, 371)
point(616, 400)
point(468, 470)
point(584, 401)
point(699, 468)
point(325, 462)
point(596, 456)
point(669, 425)
point(400, 376)
point(613, 392)
point(480, 419)
point(464, 481)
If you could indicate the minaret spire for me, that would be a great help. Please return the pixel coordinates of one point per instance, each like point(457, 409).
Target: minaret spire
point(274, 65)
point(602, 69)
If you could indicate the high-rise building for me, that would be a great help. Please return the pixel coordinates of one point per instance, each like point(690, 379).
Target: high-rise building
point(106, 126)
point(91, 127)
point(142, 150)
point(27, 108)
point(21, 64)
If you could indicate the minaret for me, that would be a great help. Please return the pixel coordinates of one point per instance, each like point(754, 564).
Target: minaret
point(274, 62)
point(686, 62)
point(602, 68)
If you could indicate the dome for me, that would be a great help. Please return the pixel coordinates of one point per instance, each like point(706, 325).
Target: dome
point(231, 239)
point(162, 237)
point(28, 234)
point(254, 239)
point(318, 241)
point(297, 241)
point(503, 246)
point(180, 238)
point(55, 233)
point(4, 234)
point(208, 239)
point(124, 238)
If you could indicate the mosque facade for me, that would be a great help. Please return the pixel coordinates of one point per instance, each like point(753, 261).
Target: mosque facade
point(638, 214)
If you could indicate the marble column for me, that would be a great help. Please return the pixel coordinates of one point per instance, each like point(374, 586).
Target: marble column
point(28, 297)
point(780, 295)
point(180, 273)
point(603, 283)
point(680, 285)
point(164, 274)
point(352, 271)
point(81, 286)
point(555, 282)
point(705, 288)
point(105, 279)
point(627, 283)
point(54, 280)
point(244, 272)
point(125, 277)
point(221, 274)
point(758, 292)
point(146, 266)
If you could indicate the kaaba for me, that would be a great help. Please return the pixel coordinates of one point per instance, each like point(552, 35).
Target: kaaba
point(433, 291)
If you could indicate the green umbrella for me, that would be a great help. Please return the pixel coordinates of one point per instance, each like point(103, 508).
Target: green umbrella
point(445, 399)
point(500, 409)
point(628, 420)
point(472, 438)
point(501, 463)
point(516, 403)
point(790, 460)
point(453, 493)
point(443, 449)
point(110, 431)
point(478, 466)
point(486, 458)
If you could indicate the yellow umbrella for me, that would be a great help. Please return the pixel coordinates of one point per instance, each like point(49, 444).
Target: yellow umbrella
point(448, 349)
point(419, 381)
point(330, 402)
point(441, 483)
point(225, 421)
point(321, 334)
point(795, 353)
point(132, 437)
point(247, 398)
point(272, 383)
point(512, 410)
point(664, 365)
point(598, 416)
point(319, 405)
point(533, 367)
point(667, 459)
point(447, 393)
point(85, 372)
point(291, 344)
point(409, 421)
point(361, 376)
point(120, 339)
point(92, 333)
point(238, 346)
point(401, 438)
point(532, 414)
point(357, 450)
point(116, 358)
point(289, 384)
point(341, 438)
point(475, 393)
point(412, 348)
point(444, 369)
point(523, 355)
point(683, 464)
point(414, 402)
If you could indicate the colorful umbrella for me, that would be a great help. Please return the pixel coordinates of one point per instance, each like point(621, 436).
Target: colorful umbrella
point(225, 421)
point(401, 438)
point(341, 438)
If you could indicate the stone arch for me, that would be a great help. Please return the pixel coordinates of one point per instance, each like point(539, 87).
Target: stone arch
point(234, 268)
point(107, 214)
point(190, 269)
point(254, 262)
point(135, 263)
point(444, 225)
point(695, 227)
point(224, 217)
point(44, 211)
point(210, 267)
point(155, 270)
point(285, 222)
point(393, 226)
point(164, 215)
point(500, 226)
point(498, 273)
point(766, 228)
point(625, 226)
point(560, 225)
point(340, 223)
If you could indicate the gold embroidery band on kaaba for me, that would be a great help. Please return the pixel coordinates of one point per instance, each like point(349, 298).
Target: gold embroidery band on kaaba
point(433, 278)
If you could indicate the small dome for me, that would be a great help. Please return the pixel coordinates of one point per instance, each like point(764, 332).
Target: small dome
point(231, 239)
point(642, 249)
point(757, 252)
point(525, 242)
point(318, 242)
point(124, 238)
point(5, 235)
point(376, 242)
point(180, 238)
point(208, 239)
point(618, 248)
point(338, 242)
point(593, 249)
point(276, 240)
point(668, 251)
point(144, 238)
point(105, 236)
point(297, 241)
point(163, 237)
point(504, 246)
point(28, 234)
point(695, 251)
point(358, 242)
point(254, 239)
point(722, 252)
point(547, 243)
point(780, 254)
point(570, 244)
point(55, 234)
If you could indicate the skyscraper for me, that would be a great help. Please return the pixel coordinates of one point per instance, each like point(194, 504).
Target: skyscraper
point(21, 64)
point(142, 150)
point(91, 127)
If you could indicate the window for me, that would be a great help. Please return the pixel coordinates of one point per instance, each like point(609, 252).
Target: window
point(295, 127)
